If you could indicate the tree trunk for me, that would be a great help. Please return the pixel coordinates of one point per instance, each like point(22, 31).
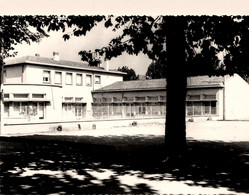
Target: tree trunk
point(175, 130)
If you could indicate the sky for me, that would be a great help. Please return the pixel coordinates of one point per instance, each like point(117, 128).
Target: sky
point(100, 36)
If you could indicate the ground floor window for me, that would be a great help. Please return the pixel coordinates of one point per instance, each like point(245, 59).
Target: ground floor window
point(201, 108)
point(34, 110)
point(6, 109)
point(73, 110)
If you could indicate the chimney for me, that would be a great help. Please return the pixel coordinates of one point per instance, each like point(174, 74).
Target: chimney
point(107, 65)
point(56, 56)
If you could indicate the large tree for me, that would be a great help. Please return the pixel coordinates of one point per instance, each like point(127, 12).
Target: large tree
point(191, 45)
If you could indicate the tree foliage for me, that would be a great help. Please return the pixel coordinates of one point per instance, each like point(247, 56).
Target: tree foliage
point(156, 70)
point(131, 74)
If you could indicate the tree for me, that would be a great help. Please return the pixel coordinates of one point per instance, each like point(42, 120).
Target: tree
point(156, 70)
point(191, 46)
point(131, 74)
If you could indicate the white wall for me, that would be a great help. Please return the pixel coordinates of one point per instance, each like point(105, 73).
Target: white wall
point(33, 83)
point(236, 98)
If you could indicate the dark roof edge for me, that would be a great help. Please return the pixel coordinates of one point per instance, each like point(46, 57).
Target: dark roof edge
point(154, 88)
point(66, 66)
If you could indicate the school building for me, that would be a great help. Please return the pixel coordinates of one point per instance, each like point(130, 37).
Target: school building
point(42, 94)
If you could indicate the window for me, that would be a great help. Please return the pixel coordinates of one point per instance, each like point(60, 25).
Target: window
point(201, 108)
point(129, 99)
point(140, 99)
point(197, 108)
point(58, 78)
point(162, 98)
point(189, 109)
point(88, 80)
point(78, 99)
point(117, 99)
point(206, 107)
point(193, 97)
point(97, 80)
point(21, 96)
point(6, 95)
point(78, 110)
point(68, 99)
point(6, 109)
point(37, 95)
point(79, 79)
point(213, 107)
point(210, 97)
point(153, 98)
point(46, 76)
point(69, 78)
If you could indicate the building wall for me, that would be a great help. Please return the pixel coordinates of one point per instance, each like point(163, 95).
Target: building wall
point(58, 97)
point(205, 100)
point(236, 98)
point(207, 104)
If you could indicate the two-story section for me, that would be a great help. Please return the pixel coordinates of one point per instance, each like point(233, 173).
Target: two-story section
point(51, 90)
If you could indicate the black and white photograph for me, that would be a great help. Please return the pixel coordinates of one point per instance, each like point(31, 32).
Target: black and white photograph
point(124, 97)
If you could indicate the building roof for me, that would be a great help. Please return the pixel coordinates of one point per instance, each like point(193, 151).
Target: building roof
point(35, 60)
point(157, 84)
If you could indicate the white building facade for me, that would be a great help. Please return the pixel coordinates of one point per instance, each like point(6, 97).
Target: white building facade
point(42, 90)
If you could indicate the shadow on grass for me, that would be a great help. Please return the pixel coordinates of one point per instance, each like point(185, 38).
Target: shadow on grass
point(89, 165)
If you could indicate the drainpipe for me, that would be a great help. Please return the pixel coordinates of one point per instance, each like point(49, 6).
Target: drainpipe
point(224, 99)
point(1, 84)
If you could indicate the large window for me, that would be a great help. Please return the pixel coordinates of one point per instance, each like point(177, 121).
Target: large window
point(31, 110)
point(58, 78)
point(72, 111)
point(97, 79)
point(201, 108)
point(6, 109)
point(69, 78)
point(46, 76)
point(88, 80)
point(79, 79)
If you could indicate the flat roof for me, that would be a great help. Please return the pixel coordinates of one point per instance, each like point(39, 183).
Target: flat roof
point(35, 60)
point(161, 84)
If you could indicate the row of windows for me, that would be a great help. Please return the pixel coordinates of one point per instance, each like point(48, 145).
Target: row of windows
point(36, 110)
point(24, 96)
point(129, 99)
point(69, 78)
point(201, 108)
point(24, 109)
point(129, 109)
point(152, 98)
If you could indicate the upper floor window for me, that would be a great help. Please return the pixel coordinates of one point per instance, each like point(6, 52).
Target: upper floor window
point(46, 76)
point(58, 78)
point(79, 79)
point(97, 79)
point(69, 78)
point(88, 80)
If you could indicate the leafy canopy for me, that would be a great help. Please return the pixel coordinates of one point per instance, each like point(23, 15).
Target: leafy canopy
point(131, 74)
point(214, 45)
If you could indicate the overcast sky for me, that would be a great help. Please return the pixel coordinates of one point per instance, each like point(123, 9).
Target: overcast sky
point(100, 36)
